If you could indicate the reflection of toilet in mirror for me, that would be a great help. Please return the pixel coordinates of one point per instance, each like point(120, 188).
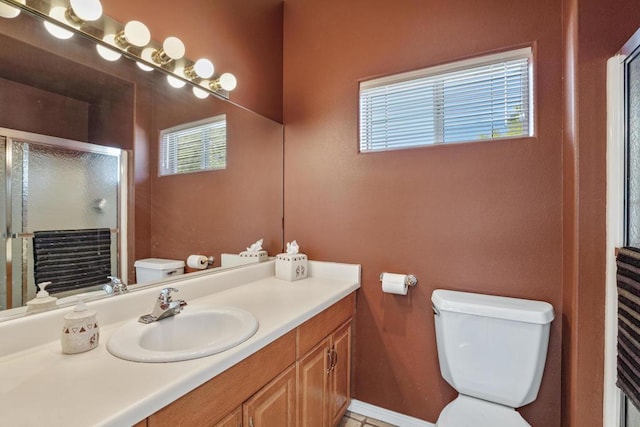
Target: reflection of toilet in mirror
point(154, 269)
point(492, 350)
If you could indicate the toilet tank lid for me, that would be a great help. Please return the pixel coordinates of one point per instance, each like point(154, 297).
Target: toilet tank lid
point(516, 309)
point(159, 263)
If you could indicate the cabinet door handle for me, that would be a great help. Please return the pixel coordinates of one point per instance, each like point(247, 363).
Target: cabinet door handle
point(251, 422)
point(334, 357)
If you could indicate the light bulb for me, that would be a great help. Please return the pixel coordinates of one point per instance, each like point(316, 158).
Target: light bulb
point(85, 10)
point(200, 93)
point(146, 54)
point(175, 82)
point(56, 31)
point(135, 33)
point(105, 52)
point(144, 67)
point(228, 82)
point(7, 11)
point(172, 49)
point(202, 68)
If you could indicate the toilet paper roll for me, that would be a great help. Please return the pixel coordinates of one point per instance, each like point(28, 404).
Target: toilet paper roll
point(393, 283)
point(199, 262)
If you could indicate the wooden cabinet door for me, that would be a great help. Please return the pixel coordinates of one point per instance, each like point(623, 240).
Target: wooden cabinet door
point(313, 387)
point(340, 373)
point(234, 419)
point(275, 404)
point(208, 404)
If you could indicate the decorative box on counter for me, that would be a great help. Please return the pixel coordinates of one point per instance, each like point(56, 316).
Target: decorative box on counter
point(249, 256)
point(254, 253)
point(291, 265)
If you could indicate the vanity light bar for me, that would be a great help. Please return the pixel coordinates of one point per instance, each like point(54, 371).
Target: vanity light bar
point(132, 40)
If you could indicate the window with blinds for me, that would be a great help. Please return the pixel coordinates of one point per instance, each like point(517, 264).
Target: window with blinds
point(484, 98)
point(194, 147)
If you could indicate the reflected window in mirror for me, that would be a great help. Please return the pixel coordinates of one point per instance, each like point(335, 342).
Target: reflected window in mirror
point(194, 147)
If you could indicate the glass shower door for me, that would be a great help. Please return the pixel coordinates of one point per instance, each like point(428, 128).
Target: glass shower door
point(5, 242)
point(631, 414)
point(11, 289)
point(62, 189)
point(56, 188)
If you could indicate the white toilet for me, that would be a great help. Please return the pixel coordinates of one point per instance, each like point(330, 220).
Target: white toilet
point(492, 350)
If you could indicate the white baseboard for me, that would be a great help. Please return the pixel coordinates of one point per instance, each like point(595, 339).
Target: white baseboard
point(386, 415)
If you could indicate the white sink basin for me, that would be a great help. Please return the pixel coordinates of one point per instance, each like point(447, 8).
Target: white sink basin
point(187, 335)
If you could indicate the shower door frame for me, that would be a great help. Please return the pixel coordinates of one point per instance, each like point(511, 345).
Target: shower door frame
point(615, 401)
point(9, 235)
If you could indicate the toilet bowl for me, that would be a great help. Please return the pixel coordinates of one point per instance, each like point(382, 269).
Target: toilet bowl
point(492, 350)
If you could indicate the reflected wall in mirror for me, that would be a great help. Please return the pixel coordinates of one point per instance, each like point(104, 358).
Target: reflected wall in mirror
point(62, 88)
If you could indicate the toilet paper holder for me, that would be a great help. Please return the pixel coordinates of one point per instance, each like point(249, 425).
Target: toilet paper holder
point(409, 280)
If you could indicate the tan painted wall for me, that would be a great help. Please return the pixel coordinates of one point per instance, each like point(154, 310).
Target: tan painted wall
point(483, 217)
point(595, 30)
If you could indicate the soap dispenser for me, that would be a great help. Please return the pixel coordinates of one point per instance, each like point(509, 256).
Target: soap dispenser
point(80, 332)
point(42, 300)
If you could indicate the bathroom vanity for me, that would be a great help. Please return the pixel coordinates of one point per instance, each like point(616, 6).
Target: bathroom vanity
point(296, 367)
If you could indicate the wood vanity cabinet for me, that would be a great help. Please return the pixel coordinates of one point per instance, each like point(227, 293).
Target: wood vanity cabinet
point(324, 365)
point(234, 419)
point(324, 380)
point(214, 400)
point(301, 379)
point(340, 374)
point(275, 404)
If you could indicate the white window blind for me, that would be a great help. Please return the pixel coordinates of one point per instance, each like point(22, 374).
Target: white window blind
point(479, 99)
point(194, 147)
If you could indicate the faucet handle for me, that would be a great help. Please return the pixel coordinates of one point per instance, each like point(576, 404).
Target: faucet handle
point(165, 294)
point(116, 286)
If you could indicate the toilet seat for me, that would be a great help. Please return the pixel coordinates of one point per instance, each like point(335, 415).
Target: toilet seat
point(466, 411)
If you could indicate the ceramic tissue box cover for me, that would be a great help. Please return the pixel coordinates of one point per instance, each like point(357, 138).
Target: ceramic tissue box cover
point(258, 256)
point(291, 267)
point(80, 336)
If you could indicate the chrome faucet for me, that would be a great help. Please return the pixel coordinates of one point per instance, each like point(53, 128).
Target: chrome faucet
point(115, 287)
point(165, 307)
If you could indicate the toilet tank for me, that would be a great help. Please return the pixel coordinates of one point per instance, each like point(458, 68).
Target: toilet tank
point(154, 269)
point(490, 347)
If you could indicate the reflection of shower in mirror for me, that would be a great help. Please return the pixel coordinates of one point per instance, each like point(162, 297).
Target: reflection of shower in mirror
point(56, 184)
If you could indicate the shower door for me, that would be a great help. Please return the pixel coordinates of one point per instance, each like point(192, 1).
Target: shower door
point(51, 184)
point(6, 296)
point(630, 414)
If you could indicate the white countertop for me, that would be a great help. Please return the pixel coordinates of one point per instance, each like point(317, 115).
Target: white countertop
point(42, 386)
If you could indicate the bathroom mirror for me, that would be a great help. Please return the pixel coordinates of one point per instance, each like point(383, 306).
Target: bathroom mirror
point(62, 88)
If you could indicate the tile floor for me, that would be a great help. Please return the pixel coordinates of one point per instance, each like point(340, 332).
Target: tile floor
point(351, 419)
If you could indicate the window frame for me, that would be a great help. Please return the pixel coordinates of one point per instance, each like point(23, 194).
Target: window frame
point(527, 52)
point(163, 149)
